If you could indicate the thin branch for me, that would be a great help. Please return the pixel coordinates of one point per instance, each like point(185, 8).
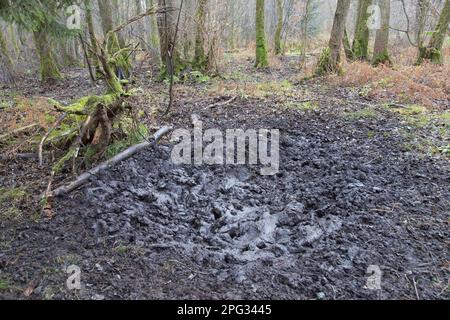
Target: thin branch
point(170, 62)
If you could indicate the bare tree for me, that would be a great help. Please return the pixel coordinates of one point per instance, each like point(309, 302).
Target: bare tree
point(330, 58)
point(380, 52)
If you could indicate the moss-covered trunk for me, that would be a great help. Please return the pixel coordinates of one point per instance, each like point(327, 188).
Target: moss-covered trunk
point(6, 64)
point(380, 51)
point(261, 45)
point(347, 46)
point(200, 59)
point(48, 67)
point(92, 38)
point(433, 52)
point(113, 45)
point(330, 58)
point(361, 41)
point(279, 29)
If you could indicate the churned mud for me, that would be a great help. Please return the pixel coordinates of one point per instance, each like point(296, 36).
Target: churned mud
point(348, 196)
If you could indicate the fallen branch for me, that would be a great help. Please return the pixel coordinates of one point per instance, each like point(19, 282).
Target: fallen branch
point(221, 104)
point(24, 156)
point(84, 178)
point(17, 131)
point(45, 137)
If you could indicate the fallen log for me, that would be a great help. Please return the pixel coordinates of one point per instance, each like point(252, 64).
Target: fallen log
point(84, 178)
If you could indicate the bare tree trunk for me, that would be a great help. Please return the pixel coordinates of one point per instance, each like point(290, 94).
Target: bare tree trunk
point(154, 35)
point(421, 16)
point(139, 10)
point(166, 26)
point(330, 58)
point(278, 49)
point(380, 52)
point(433, 52)
point(6, 64)
point(200, 59)
point(361, 41)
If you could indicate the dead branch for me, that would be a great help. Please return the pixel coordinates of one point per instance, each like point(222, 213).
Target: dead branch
point(84, 178)
point(170, 65)
point(23, 156)
point(150, 11)
point(221, 104)
point(18, 131)
point(45, 137)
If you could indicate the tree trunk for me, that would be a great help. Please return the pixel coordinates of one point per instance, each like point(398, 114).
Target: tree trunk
point(154, 35)
point(380, 52)
point(166, 26)
point(139, 10)
point(49, 69)
point(347, 46)
point(361, 40)
point(92, 38)
point(113, 45)
point(200, 59)
point(261, 45)
point(330, 58)
point(6, 64)
point(278, 31)
point(433, 52)
point(421, 16)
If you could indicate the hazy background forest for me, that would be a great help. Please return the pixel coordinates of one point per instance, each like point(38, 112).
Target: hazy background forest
point(90, 89)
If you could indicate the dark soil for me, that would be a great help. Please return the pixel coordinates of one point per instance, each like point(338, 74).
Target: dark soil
point(343, 200)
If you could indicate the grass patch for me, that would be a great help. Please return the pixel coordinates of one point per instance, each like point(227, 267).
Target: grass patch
point(303, 106)
point(4, 284)
point(366, 113)
point(10, 200)
point(411, 110)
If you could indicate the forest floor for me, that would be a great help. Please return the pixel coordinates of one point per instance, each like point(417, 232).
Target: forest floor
point(363, 182)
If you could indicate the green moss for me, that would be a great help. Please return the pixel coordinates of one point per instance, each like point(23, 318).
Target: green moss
point(382, 58)
point(86, 105)
point(261, 45)
point(326, 65)
point(4, 284)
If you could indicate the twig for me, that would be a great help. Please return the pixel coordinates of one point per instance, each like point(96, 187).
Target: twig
point(170, 60)
point(45, 137)
point(82, 179)
point(17, 131)
point(415, 288)
point(221, 104)
point(47, 206)
point(86, 57)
